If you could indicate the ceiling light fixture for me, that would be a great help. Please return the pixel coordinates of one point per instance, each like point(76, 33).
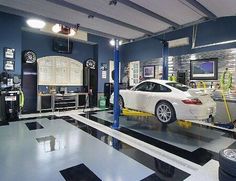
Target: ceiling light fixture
point(112, 42)
point(56, 28)
point(65, 30)
point(36, 23)
point(113, 2)
point(90, 16)
point(193, 57)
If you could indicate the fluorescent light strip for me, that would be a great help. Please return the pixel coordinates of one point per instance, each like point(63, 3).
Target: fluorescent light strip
point(215, 44)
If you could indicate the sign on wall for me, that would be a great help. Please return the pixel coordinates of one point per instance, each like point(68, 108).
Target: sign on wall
point(9, 53)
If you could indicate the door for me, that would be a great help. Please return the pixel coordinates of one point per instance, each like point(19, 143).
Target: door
point(111, 69)
point(134, 73)
point(29, 87)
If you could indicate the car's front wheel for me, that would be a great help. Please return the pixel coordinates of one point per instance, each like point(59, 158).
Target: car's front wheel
point(165, 112)
point(121, 102)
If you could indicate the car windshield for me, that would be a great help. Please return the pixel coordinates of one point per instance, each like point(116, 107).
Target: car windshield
point(179, 86)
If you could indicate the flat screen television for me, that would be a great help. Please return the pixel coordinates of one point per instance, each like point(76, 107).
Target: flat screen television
point(62, 46)
point(204, 69)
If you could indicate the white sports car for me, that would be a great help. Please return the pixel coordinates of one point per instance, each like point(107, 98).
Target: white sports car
point(169, 101)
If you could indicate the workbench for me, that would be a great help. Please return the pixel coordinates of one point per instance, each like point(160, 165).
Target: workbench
point(56, 101)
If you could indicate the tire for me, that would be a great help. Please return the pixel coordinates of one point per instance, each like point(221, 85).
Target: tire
point(227, 161)
point(165, 112)
point(223, 176)
point(121, 102)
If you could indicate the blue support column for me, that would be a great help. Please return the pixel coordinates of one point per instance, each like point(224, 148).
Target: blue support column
point(165, 55)
point(116, 86)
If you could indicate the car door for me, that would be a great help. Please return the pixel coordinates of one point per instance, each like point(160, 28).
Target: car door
point(146, 95)
point(142, 95)
point(132, 97)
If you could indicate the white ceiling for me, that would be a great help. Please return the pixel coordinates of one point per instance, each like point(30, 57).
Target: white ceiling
point(171, 9)
point(220, 7)
point(178, 11)
point(123, 13)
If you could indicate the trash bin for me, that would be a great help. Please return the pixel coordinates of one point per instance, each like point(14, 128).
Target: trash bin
point(102, 102)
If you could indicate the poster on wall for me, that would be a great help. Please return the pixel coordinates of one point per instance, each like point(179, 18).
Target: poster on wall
point(9, 53)
point(104, 74)
point(9, 65)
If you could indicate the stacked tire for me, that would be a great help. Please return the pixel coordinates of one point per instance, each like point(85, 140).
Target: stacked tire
point(227, 161)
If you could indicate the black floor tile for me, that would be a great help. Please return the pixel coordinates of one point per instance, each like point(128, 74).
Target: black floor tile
point(4, 123)
point(232, 146)
point(205, 155)
point(163, 170)
point(79, 173)
point(34, 125)
point(152, 177)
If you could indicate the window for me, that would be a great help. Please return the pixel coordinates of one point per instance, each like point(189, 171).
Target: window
point(160, 88)
point(134, 73)
point(143, 87)
point(152, 87)
point(179, 86)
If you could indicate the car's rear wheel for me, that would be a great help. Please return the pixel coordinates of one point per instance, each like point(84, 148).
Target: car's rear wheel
point(165, 112)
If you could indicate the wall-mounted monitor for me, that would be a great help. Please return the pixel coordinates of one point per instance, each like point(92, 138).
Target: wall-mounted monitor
point(204, 69)
point(62, 45)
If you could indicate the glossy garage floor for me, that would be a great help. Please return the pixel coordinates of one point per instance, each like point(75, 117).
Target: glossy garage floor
point(43, 149)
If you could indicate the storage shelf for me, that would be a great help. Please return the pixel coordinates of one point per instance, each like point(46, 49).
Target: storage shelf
point(64, 107)
point(60, 102)
point(65, 102)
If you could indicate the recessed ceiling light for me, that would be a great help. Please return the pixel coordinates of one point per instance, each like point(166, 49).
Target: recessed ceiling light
point(35, 23)
point(56, 28)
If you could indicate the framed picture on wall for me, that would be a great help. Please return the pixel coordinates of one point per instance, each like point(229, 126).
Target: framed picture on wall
point(149, 71)
point(9, 53)
point(9, 65)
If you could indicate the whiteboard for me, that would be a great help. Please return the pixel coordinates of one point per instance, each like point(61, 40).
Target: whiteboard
point(59, 71)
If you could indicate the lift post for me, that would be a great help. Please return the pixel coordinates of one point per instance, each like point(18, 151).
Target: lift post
point(116, 107)
point(165, 55)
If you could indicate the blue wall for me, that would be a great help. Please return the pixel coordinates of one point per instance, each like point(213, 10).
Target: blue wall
point(104, 54)
point(10, 36)
point(219, 30)
point(42, 46)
